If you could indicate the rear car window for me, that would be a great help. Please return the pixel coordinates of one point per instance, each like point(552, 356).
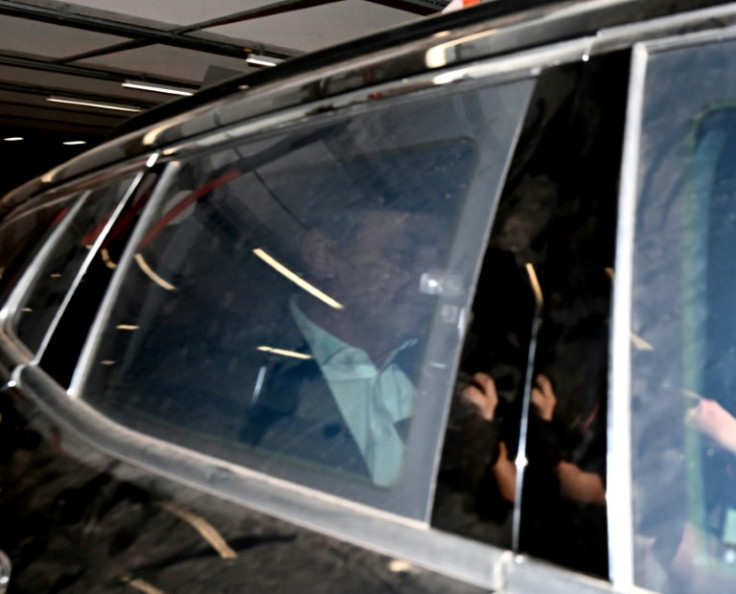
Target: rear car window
point(58, 273)
point(683, 333)
point(297, 303)
point(524, 459)
point(22, 233)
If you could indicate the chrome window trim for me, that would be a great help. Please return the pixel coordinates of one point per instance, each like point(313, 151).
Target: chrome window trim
point(696, 38)
point(95, 334)
point(90, 256)
point(37, 205)
point(82, 186)
point(473, 562)
point(466, 45)
point(98, 177)
point(480, 42)
point(312, 111)
point(25, 283)
point(669, 27)
point(618, 466)
point(14, 201)
point(20, 352)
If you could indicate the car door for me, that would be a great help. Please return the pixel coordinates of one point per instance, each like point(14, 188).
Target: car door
point(673, 346)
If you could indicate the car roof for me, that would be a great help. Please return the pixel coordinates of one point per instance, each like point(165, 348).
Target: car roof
point(507, 26)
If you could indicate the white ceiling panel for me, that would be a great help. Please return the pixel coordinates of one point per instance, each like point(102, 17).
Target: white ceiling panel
point(29, 37)
point(173, 12)
point(170, 62)
point(76, 84)
point(315, 28)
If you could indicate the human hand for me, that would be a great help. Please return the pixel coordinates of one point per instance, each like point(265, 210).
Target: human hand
point(543, 397)
point(503, 453)
point(505, 473)
point(714, 421)
point(482, 394)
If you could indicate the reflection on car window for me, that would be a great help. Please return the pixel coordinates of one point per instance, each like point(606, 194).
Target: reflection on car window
point(57, 273)
point(297, 297)
point(683, 348)
point(22, 232)
point(62, 351)
point(524, 459)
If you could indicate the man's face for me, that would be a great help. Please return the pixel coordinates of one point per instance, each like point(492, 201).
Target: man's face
point(380, 269)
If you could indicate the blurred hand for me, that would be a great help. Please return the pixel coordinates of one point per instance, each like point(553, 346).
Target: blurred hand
point(503, 453)
point(482, 394)
point(715, 422)
point(505, 473)
point(543, 397)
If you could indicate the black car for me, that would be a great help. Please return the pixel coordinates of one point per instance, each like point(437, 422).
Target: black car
point(442, 309)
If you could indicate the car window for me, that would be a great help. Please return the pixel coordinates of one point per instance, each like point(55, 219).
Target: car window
point(22, 232)
point(57, 273)
point(524, 460)
point(683, 335)
point(65, 343)
point(296, 304)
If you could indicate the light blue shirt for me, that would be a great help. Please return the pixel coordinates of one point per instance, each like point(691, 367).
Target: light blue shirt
point(371, 399)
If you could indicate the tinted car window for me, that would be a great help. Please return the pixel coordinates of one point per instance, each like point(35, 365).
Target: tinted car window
point(21, 234)
point(65, 343)
point(58, 272)
point(297, 302)
point(683, 341)
point(524, 462)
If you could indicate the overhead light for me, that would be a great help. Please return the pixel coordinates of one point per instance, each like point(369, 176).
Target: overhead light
point(98, 104)
point(144, 86)
point(257, 60)
point(74, 142)
point(13, 138)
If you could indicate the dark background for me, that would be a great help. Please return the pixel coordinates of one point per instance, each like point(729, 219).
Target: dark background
point(40, 151)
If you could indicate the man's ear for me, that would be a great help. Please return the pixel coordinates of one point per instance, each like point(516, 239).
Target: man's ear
point(320, 255)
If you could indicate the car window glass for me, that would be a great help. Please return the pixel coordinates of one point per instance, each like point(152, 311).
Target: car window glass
point(62, 351)
point(295, 304)
point(22, 232)
point(683, 335)
point(57, 273)
point(524, 459)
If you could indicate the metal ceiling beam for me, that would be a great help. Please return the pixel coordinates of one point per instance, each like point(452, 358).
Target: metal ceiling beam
point(87, 72)
point(418, 7)
point(280, 7)
point(136, 32)
point(105, 51)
